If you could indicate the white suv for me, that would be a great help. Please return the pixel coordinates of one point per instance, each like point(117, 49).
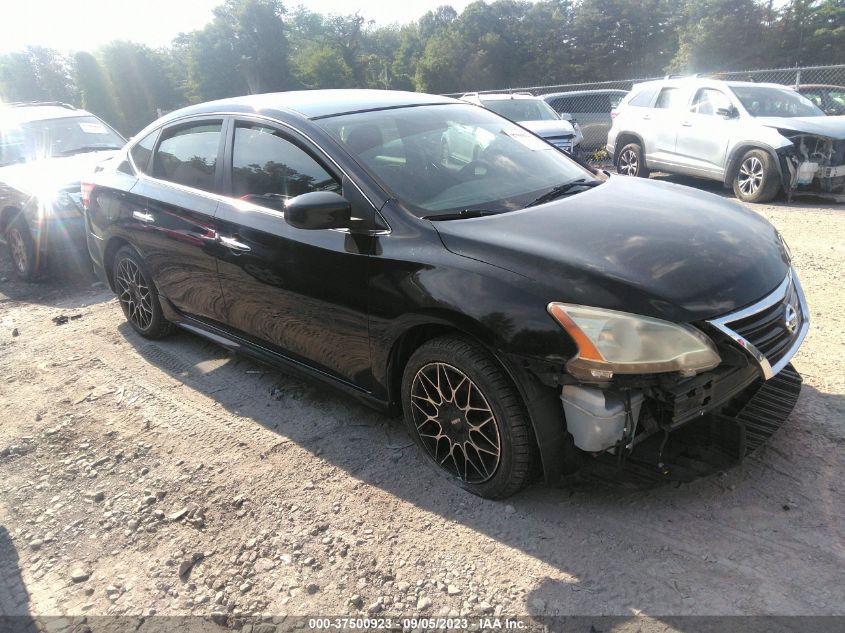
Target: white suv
point(759, 139)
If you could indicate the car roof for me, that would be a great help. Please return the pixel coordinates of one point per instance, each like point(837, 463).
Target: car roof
point(314, 104)
point(25, 112)
point(578, 93)
point(706, 81)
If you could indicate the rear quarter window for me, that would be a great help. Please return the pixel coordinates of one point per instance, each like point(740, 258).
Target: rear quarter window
point(142, 151)
point(644, 97)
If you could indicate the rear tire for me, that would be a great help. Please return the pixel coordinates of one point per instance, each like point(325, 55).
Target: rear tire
point(138, 296)
point(22, 250)
point(631, 161)
point(467, 417)
point(757, 178)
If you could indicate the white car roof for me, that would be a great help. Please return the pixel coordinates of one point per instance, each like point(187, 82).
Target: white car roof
point(16, 114)
point(705, 81)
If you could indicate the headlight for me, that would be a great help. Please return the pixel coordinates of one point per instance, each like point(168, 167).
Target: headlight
point(617, 342)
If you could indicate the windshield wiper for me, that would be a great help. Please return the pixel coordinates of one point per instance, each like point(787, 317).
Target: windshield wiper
point(560, 190)
point(460, 215)
point(88, 148)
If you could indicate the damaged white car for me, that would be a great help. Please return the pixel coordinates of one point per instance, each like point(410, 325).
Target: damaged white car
point(759, 139)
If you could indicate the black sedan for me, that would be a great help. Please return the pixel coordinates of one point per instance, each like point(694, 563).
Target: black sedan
point(525, 314)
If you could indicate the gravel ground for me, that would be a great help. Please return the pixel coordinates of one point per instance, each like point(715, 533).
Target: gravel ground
point(169, 478)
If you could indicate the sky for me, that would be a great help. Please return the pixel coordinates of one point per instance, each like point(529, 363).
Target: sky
point(71, 25)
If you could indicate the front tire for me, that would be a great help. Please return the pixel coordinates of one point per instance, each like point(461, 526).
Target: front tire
point(22, 250)
point(467, 417)
point(631, 161)
point(138, 295)
point(757, 178)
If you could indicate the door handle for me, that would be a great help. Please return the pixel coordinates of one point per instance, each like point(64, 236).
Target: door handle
point(233, 244)
point(687, 123)
point(647, 117)
point(144, 216)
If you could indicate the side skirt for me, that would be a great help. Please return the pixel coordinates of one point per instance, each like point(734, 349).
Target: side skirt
point(240, 345)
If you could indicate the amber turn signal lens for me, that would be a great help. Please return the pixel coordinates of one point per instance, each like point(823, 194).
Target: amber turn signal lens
point(586, 349)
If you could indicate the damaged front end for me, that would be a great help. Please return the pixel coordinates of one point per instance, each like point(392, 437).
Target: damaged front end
point(812, 162)
point(680, 425)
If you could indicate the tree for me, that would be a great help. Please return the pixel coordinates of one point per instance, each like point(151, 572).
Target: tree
point(620, 39)
point(243, 50)
point(95, 90)
point(720, 35)
point(140, 83)
point(37, 74)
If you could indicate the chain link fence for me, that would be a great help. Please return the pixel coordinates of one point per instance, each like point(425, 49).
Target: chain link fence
point(590, 103)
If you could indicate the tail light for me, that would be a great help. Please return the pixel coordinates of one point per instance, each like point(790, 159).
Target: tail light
point(614, 113)
point(87, 189)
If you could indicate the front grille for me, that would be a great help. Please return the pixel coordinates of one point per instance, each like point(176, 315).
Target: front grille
point(769, 407)
point(562, 142)
point(767, 330)
point(772, 329)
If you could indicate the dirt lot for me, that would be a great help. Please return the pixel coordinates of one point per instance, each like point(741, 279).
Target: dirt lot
point(170, 478)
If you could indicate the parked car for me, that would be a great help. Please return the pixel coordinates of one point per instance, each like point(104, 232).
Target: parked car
point(45, 149)
point(829, 99)
point(518, 311)
point(760, 139)
point(534, 114)
point(591, 109)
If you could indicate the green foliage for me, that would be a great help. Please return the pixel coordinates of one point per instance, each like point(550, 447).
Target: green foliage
point(95, 89)
point(139, 82)
point(37, 74)
point(253, 46)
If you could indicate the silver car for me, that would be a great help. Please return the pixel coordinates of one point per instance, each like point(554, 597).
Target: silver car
point(535, 115)
point(760, 139)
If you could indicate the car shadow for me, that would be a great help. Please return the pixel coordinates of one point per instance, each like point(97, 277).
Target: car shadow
point(14, 598)
point(799, 199)
point(69, 283)
point(619, 550)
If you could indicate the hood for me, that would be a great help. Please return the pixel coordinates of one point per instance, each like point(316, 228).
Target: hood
point(640, 246)
point(830, 126)
point(549, 128)
point(51, 174)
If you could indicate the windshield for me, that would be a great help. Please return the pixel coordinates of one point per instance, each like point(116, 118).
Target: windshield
point(522, 109)
point(440, 159)
point(50, 138)
point(770, 101)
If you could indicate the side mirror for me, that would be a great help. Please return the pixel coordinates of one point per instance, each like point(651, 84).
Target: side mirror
point(727, 113)
point(318, 210)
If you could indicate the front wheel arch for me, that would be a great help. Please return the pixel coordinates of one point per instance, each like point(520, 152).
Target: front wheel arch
point(767, 178)
point(736, 158)
point(542, 403)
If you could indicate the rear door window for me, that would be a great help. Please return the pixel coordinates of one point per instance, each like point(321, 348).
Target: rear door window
point(187, 155)
point(268, 169)
point(670, 98)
